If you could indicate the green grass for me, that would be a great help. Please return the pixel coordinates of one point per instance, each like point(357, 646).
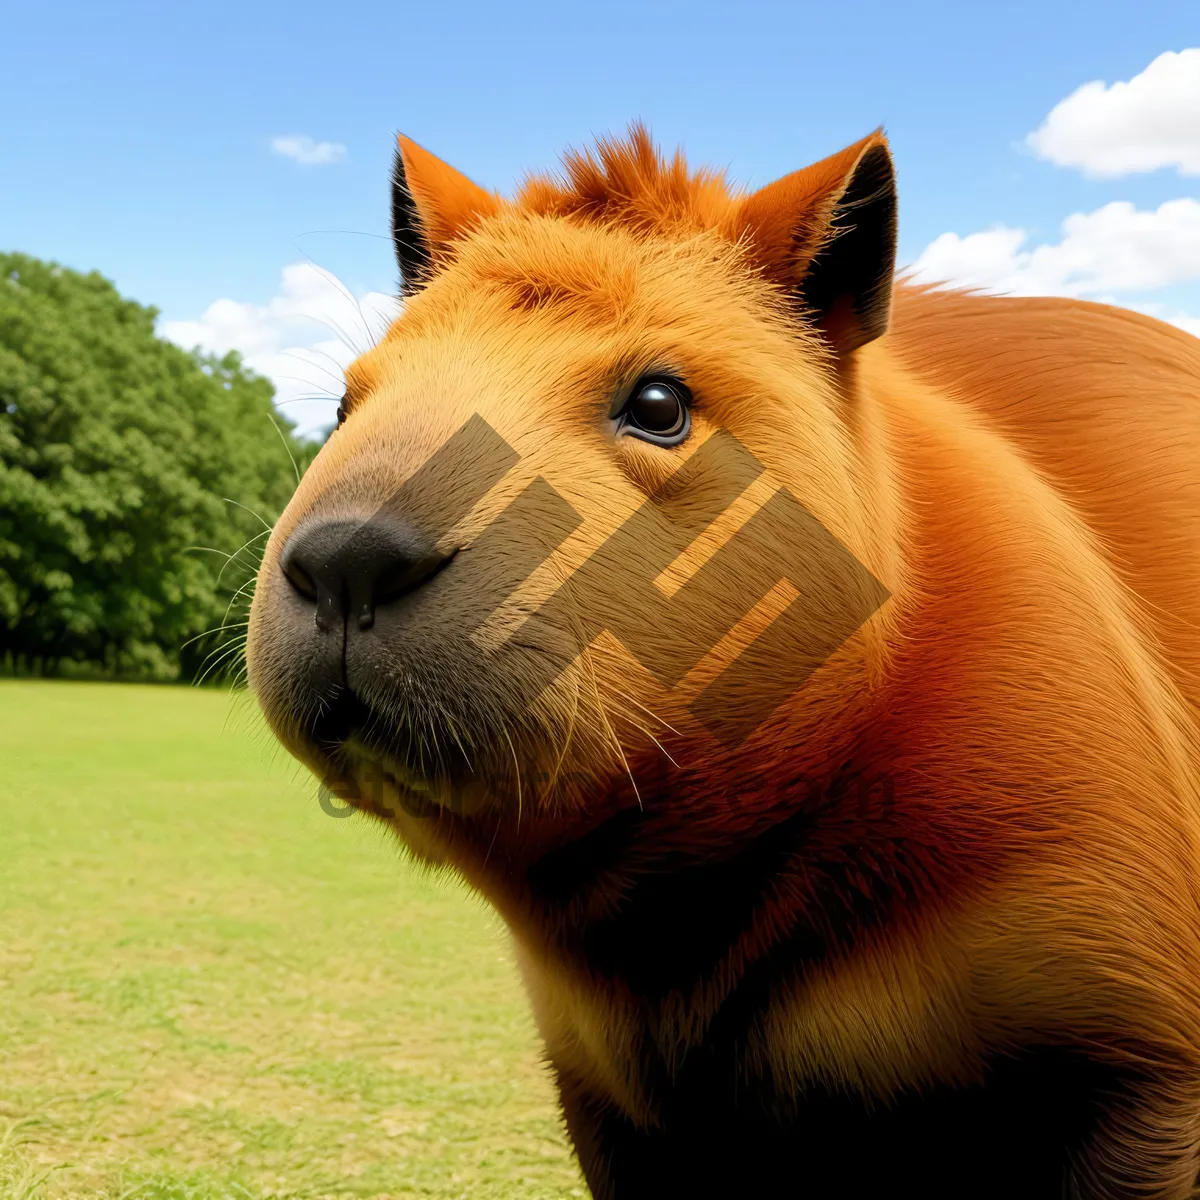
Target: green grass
point(210, 989)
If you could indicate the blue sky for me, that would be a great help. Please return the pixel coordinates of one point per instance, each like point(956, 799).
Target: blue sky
point(137, 137)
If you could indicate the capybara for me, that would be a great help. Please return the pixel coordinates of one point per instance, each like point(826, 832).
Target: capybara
point(805, 664)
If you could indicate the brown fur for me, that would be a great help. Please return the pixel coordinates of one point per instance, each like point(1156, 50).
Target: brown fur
point(1023, 475)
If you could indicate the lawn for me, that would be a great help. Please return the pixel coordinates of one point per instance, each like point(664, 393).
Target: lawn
point(211, 989)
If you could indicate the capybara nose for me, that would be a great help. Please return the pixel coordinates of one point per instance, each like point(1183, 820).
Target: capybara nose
point(348, 568)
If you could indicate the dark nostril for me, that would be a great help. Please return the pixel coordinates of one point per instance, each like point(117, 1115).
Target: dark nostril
point(298, 577)
point(349, 568)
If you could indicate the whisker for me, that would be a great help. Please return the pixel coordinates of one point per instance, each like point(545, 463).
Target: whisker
point(244, 546)
point(449, 721)
point(305, 379)
point(330, 277)
point(248, 509)
point(210, 632)
point(347, 232)
point(212, 550)
point(307, 399)
point(562, 756)
point(517, 766)
point(326, 355)
point(642, 729)
point(625, 761)
point(649, 712)
point(288, 448)
point(295, 354)
point(221, 655)
point(237, 595)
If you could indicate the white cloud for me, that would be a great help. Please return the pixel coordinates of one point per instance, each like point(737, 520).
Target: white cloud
point(1102, 255)
point(301, 339)
point(1148, 122)
point(1117, 248)
point(990, 260)
point(308, 151)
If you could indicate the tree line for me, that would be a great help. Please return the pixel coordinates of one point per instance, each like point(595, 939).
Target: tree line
point(138, 482)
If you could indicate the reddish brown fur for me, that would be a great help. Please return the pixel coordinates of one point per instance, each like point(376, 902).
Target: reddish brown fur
point(1024, 475)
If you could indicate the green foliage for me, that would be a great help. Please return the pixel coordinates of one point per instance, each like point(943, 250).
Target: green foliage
point(120, 456)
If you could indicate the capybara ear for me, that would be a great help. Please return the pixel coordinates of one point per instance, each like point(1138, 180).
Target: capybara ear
point(432, 204)
point(828, 234)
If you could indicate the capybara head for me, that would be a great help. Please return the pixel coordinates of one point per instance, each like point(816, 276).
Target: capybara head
point(597, 506)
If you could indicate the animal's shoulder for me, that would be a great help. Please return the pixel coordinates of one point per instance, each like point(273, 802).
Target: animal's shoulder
point(1105, 404)
point(1036, 364)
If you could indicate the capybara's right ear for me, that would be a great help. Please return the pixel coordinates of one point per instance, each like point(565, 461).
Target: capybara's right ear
point(827, 234)
point(432, 204)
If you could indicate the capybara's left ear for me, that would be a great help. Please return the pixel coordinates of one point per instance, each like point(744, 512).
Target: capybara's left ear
point(828, 234)
point(432, 204)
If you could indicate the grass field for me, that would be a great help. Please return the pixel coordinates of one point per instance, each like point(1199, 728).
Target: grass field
point(208, 988)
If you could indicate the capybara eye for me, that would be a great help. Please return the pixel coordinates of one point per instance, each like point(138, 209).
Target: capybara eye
point(657, 411)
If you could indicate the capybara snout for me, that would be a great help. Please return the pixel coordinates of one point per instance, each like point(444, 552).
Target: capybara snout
point(532, 402)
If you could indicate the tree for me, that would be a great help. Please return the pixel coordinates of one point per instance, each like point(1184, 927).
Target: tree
point(128, 468)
